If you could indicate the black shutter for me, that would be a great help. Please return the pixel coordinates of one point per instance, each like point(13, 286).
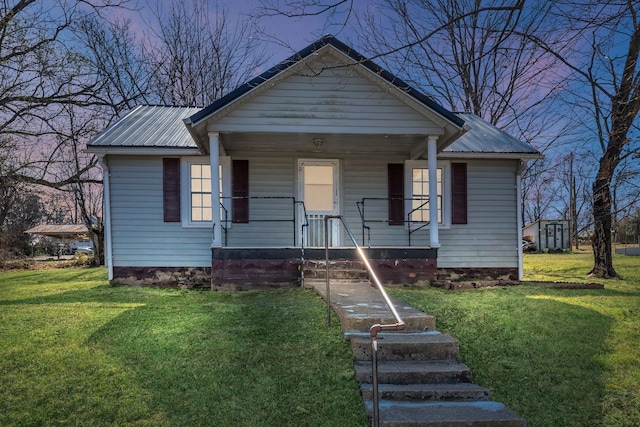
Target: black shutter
point(240, 191)
point(171, 189)
point(395, 179)
point(459, 193)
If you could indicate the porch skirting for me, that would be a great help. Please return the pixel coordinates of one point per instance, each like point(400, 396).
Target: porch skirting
point(192, 277)
point(262, 268)
point(268, 268)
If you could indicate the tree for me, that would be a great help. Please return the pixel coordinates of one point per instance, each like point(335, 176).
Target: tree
point(193, 58)
point(603, 59)
point(42, 72)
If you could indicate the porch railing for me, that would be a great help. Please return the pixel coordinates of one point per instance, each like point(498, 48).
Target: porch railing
point(411, 225)
point(375, 329)
point(226, 222)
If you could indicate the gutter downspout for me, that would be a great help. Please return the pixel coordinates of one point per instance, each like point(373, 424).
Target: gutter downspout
point(106, 184)
point(521, 167)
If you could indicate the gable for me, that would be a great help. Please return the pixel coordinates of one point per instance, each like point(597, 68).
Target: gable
point(327, 97)
point(344, 76)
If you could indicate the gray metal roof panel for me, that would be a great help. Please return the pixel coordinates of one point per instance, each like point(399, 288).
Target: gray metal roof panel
point(483, 137)
point(149, 126)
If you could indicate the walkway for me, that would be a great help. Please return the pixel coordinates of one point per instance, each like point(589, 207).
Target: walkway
point(421, 379)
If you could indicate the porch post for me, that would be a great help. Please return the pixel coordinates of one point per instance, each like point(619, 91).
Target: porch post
point(214, 158)
point(432, 163)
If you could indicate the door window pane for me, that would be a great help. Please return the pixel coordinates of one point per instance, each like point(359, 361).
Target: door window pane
point(318, 188)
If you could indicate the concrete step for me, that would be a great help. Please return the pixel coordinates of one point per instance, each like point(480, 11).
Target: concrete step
point(343, 274)
point(414, 372)
point(359, 306)
point(407, 346)
point(337, 263)
point(427, 392)
point(445, 414)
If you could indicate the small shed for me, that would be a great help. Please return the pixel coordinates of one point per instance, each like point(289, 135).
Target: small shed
point(548, 234)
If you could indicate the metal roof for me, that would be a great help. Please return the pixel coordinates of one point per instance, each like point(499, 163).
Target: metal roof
point(60, 230)
point(149, 126)
point(483, 137)
point(308, 51)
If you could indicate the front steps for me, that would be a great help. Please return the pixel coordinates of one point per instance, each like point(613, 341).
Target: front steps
point(421, 381)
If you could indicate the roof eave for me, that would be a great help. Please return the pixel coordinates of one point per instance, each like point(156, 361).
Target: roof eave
point(489, 155)
point(140, 151)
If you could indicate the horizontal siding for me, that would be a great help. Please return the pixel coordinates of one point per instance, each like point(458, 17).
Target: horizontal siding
point(140, 236)
point(271, 176)
point(335, 98)
point(490, 239)
point(367, 178)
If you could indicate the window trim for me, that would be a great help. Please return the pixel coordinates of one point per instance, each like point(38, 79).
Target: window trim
point(445, 165)
point(185, 187)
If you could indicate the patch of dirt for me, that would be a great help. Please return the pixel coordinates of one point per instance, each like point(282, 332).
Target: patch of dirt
point(458, 286)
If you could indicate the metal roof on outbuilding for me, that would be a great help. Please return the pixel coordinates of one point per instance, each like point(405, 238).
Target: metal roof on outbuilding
point(60, 230)
point(149, 126)
point(483, 137)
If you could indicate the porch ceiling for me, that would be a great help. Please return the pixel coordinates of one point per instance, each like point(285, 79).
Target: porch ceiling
point(331, 143)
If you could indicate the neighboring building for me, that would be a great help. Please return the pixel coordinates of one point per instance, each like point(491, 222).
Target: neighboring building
point(325, 132)
point(549, 234)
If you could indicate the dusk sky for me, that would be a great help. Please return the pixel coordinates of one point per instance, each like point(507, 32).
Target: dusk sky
point(293, 33)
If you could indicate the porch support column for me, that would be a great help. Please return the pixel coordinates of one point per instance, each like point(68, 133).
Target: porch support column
point(214, 158)
point(432, 163)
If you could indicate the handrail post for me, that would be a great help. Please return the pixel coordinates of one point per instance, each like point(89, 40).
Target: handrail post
point(374, 374)
point(326, 257)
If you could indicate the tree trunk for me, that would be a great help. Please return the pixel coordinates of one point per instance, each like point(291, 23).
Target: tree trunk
point(602, 253)
point(602, 204)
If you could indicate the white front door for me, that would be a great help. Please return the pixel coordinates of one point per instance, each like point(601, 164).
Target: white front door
point(318, 188)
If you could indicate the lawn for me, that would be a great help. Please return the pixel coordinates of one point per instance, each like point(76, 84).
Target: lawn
point(557, 357)
point(76, 351)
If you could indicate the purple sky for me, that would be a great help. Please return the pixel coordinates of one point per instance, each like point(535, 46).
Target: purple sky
point(293, 34)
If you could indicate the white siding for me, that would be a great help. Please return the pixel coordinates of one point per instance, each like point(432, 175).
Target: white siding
point(269, 176)
point(367, 178)
point(140, 236)
point(490, 239)
point(337, 98)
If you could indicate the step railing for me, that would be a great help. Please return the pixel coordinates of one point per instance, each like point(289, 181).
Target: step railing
point(375, 329)
point(366, 218)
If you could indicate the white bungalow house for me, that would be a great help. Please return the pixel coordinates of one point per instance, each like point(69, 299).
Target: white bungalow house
point(325, 132)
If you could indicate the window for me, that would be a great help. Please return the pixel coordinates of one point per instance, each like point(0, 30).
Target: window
point(200, 190)
point(196, 190)
point(417, 191)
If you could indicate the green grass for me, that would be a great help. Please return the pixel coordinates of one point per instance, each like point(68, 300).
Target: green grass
point(76, 351)
point(557, 357)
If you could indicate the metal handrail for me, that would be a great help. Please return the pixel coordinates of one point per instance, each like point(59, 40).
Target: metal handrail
point(225, 221)
point(305, 224)
point(292, 220)
point(375, 329)
point(361, 210)
point(423, 223)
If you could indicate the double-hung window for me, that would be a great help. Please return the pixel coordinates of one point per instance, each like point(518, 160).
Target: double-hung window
point(197, 186)
point(417, 192)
